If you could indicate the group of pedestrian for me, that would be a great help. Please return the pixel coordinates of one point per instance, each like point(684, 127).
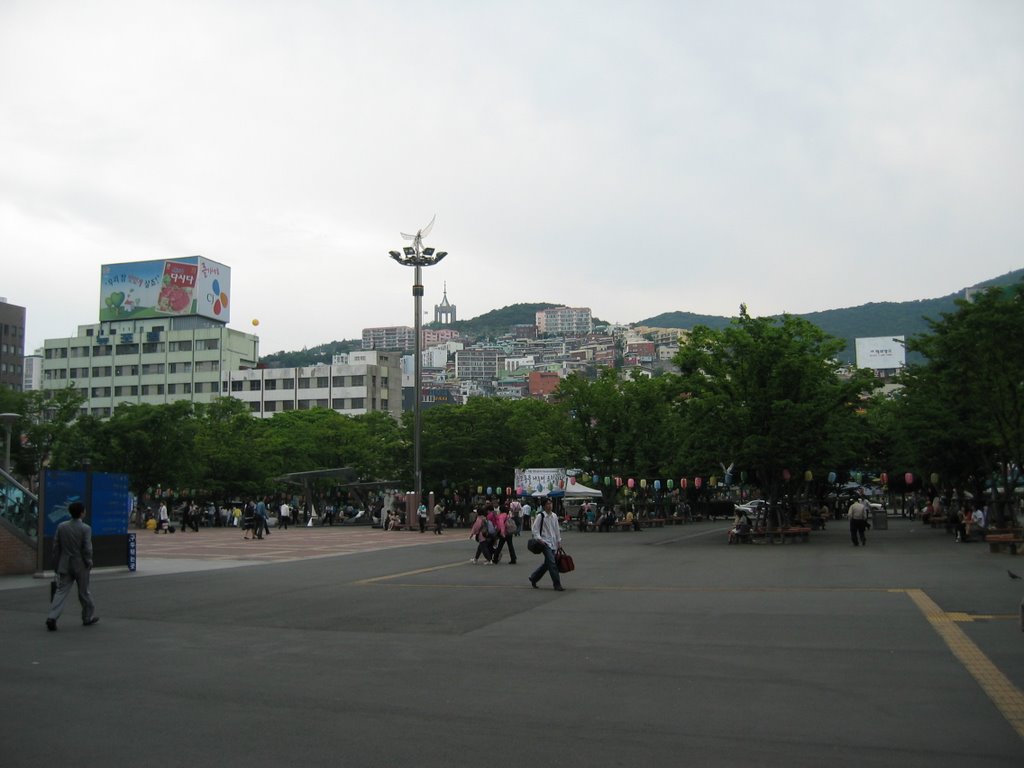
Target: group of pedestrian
point(254, 519)
point(494, 529)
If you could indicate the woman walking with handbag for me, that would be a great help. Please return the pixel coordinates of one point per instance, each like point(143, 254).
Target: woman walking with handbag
point(548, 533)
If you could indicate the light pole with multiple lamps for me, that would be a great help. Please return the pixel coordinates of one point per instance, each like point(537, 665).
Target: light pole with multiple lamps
point(417, 256)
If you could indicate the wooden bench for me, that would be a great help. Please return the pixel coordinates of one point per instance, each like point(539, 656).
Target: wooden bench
point(996, 542)
point(654, 522)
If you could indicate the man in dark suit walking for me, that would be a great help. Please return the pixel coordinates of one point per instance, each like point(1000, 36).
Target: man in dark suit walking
point(72, 561)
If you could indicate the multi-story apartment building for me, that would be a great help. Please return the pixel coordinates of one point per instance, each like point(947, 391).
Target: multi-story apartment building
point(12, 345)
point(353, 384)
point(400, 337)
point(478, 364)
point(565, 321)
point(153, 360)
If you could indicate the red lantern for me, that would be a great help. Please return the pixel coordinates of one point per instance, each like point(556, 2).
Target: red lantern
point(683, 483)
point(884, 478)
point(631, 482)
point(909, 478)
point(786, 475)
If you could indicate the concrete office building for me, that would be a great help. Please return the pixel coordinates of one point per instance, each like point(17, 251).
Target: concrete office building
point(152, 361)
point(12, 345)
point(162, 336)
point(353, 384)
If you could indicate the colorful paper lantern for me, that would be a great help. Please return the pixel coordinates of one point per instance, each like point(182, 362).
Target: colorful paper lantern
point(607, 480)
point(884, 478)
point(683, 483)
point(909, 478)
point(786, 475)
point(713, 481)
point(808, 476)
point(657, 485)
point(572, 481)
point(630, 483)
point(831, 477)
point(669, 483)
point(643, 483)
point(697, 482)
point(935, 478)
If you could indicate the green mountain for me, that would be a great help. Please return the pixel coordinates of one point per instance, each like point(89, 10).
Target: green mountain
point(905, 318)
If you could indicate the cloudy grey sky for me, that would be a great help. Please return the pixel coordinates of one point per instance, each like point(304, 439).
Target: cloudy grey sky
point(636, 158)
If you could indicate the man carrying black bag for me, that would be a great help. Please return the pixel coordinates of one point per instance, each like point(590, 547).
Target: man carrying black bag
point(72, 561)
point(548, 533)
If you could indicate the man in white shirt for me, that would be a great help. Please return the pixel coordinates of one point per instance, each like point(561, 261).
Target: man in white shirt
point(858, 514)
point(284, 515)
point(547, 530)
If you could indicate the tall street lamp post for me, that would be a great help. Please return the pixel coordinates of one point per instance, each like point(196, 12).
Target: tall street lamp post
point(417, 256)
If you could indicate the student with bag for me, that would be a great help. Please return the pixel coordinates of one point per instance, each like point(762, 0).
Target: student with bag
point(548, 534)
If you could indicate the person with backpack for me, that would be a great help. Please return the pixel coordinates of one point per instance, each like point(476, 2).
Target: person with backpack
point(506, 530)
point(483, 531)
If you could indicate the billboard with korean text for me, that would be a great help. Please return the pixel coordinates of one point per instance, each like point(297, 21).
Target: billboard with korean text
point(165, 288)
point(881, 353)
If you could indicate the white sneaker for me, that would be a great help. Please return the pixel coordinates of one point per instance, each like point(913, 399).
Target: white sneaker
point(488, 562)
point(473, 560)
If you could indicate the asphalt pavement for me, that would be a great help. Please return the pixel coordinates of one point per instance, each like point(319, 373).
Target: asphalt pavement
point(353, 647)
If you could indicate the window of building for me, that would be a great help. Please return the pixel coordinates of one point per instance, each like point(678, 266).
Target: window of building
point(322, 382)
point(186, 388)
point(303, 405)
point(100, 350)
point(288, 405)
point(270, 406)
point(127, 349)
point(358, 381)
point(149, 369)
point(338, 381)
point(207, 344)
point(304, 383)
point(254, 406)
point(338, 403)
point(358, 402)
point(180, 346)
point(152, 346)
point(270, 384)
point(215, 386)
point(207, 366)
point(287, 384)
point(101, 391)
point(254, 385)
point(321, 403)
point(236, 386)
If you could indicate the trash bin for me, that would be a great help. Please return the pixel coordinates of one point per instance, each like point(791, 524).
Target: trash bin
point(879, 520)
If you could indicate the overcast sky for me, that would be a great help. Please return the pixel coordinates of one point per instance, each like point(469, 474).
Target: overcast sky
point(634, 158)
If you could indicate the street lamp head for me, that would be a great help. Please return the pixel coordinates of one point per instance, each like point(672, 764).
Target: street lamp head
point(428, 251)
point(409, 251)
point(440, 255)
point(396, 256)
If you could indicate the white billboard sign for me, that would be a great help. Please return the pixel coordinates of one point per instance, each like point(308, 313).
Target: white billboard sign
point(881, 353)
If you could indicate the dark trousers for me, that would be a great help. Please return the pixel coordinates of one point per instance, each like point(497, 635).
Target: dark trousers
point(484, 548)
point(858, 530)
point(502, 540)
point(282, 522)
point(423, 524)
point(548, 566)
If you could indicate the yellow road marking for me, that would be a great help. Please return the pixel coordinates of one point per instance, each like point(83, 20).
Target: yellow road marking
point(1004, 694)
point(390, 576)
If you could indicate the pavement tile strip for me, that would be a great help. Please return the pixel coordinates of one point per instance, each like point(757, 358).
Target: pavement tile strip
point(1004, 694)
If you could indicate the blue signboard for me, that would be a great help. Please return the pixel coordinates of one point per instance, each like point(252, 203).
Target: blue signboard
point(108, 507)
point(111, 504)
point(62, 488)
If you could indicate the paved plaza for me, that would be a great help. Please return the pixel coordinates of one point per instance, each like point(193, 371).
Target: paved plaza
point(356, 647)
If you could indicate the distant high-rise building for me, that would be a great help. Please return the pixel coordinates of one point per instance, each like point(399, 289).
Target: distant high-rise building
point(12, 345)
point(395, 337)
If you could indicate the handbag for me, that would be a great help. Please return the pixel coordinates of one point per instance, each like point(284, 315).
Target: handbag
point(564, 561)
point(535, 546)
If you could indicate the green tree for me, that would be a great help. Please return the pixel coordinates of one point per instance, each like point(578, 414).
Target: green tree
point(767, 394)
point(965, 405)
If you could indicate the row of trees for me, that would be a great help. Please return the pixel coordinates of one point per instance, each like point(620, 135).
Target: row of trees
point(764, 399)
